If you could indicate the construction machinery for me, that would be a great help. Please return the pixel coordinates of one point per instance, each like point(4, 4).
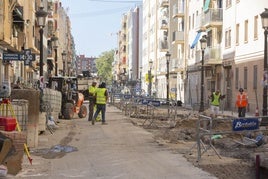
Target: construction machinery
point(72, 97)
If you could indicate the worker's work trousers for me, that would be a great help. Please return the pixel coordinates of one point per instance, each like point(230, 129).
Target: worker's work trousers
point(91, 109)
point(214, 110)
point(241, 111)
point(100, 108)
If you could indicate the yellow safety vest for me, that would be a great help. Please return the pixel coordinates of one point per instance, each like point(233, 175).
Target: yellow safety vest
point(216, 99)
point(92, 90)
point(101, 98)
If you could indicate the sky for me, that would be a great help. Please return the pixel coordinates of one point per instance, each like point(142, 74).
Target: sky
point(94, 23)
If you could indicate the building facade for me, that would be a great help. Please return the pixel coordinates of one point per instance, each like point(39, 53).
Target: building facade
point(86, 66)
point(21, 42)
point(233, 57)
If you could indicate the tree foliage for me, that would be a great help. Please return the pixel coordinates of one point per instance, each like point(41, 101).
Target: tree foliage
point(104, 66)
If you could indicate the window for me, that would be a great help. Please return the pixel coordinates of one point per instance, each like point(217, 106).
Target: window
point(237, 34)
point(228, 38)
point(255, 76)
point(256, 27)
point(246, 32)
point(245, 77)
point(193, 21)
point(228, 3)
point(236, 78)
point(189, 22)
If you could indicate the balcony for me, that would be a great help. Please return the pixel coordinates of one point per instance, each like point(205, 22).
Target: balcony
point(212, 18)
point(178, 10)
point(164, 3)
point(178, 37)
point(174, 64)
point(212, 56)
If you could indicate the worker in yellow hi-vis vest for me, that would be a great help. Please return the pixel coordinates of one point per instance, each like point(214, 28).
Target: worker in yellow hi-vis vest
point(101, 99)
point(92, 99)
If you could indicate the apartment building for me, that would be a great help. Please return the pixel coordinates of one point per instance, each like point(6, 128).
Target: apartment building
point(155, 45)
point(86, 65)
point(179, 42)
point(243, 51)
point(122, 55)
point(128, 56)
point(161, 46)
point(204, 19)
point(20, 36)
point(133, 46)
point(233, 56)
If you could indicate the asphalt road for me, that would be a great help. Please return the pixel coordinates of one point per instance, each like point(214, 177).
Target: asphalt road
point(118, 150)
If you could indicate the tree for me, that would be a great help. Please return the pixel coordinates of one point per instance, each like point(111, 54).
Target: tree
point(104, 66)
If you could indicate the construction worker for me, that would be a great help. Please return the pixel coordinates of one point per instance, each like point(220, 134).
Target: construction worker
point(92, 99)
point(241, 102)
point(101, 99)
point(215, 102)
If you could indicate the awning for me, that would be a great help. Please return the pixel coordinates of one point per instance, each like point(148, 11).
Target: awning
point(206, 6)
point(196, 40)
point(18, 14)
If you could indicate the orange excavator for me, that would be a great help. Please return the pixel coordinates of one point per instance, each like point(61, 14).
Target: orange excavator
point(72, 99)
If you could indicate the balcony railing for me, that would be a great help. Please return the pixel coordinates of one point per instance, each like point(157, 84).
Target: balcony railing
point(212, 17)
point(212, 55)
point(178, 10)
point(164, 3)
point(178, 37)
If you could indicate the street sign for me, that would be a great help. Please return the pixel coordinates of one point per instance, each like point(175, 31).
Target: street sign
point(26, 56)
point(12, 57)
point(241, 124)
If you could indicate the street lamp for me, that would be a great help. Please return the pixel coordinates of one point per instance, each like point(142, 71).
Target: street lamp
point(63, 54)
point(54, 40)
point(203, 42)
point(41, 22)
point(150, 77)
point(168, 59)
point(264, 18)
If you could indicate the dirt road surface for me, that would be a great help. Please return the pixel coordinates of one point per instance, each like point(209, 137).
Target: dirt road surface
point(117, 150)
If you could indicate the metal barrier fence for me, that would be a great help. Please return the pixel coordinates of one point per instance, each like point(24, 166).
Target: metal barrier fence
point(207, 126)
point(53, 97)
point(144, 107)
point(20, 108)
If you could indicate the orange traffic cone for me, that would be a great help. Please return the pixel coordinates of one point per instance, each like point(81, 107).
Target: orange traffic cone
point(257, 111)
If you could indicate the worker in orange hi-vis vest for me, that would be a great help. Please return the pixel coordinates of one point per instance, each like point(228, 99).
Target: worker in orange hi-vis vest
point(241, 102)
